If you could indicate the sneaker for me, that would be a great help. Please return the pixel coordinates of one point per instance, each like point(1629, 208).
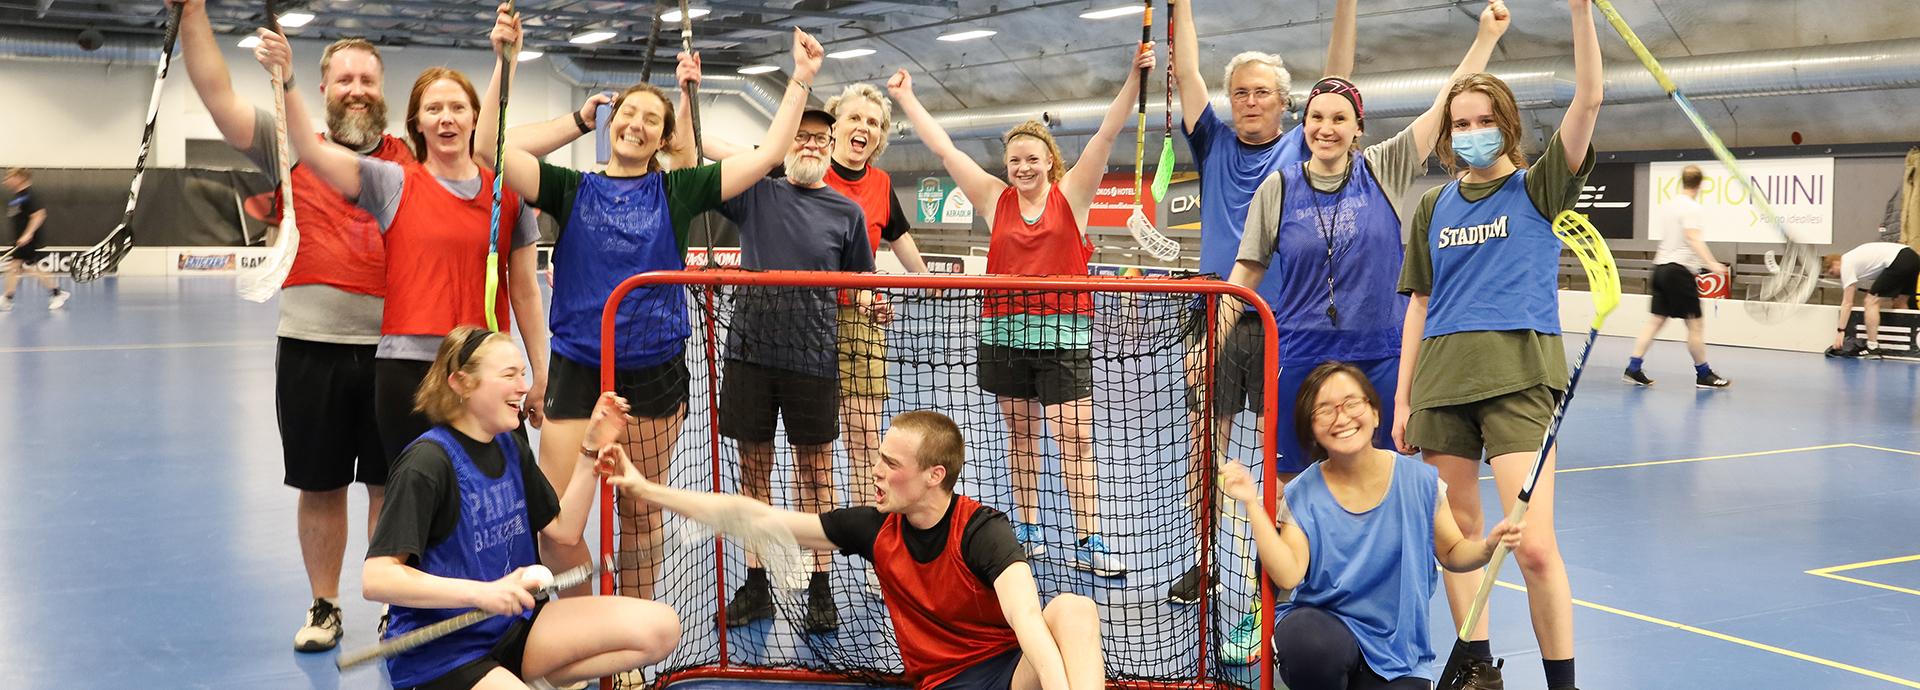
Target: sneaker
point(1243, 642)
point(1636, 377)
point(630, 680)
point(1092, 556)
point(58, 300)
point(1710, 380)
point(322, 631)
point(6, 304)
point(1029, 537)
point(753, 601)
point(1870, 351)
point(822, 615)
point(1483, 674)
point(1186, 590)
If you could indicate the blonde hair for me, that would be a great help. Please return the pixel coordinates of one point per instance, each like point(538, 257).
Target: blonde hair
point(1283, 81)
point(21, 173)
point(1505, 112)
point(459, 352)
point(326, 57)
point(1038, 130)
point(940, 442)
point(871, 93)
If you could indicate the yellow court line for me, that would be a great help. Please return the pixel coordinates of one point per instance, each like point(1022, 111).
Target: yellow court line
point(1757, 453)
point(142, 346)
point(1850, 668)
point(1864, 564)
point(1890, 450)
point(1869, 583)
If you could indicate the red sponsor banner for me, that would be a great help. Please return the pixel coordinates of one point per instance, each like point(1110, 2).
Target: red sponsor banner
point(1712, 285)
point(723, 257)
point(1113, 202)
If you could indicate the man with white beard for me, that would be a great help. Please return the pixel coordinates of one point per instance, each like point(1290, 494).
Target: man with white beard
point(330, 306)
point(781, 361)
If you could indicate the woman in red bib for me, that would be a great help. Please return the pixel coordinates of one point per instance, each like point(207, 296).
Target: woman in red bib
point(435, 218)
point(1034, 348)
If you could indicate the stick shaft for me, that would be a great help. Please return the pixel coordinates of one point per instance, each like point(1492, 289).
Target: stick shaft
point(499, 180)
point(92, 263)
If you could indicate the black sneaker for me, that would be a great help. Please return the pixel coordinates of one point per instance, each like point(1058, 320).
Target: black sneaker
point(753, 601)
point(322, 629)
point(822, 615)
point(1710, 380)
point(1186, 590)
point(1484, 674)
point(1636, 377)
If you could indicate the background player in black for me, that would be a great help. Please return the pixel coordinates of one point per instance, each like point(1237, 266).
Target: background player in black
point(28, 219)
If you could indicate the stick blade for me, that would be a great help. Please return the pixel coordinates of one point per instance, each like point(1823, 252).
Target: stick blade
point(262, 282)
point(1163, 170)
point(1149, 238)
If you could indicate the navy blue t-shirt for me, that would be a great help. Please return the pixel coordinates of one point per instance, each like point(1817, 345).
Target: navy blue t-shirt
point(786, 227)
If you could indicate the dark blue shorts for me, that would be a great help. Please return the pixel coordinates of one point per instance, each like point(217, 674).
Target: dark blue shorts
point(993, 674)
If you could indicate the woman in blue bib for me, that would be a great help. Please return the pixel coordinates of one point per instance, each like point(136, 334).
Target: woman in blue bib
point(1356, 539)
point(631, 218)
point(467, 512)
point(1482, 334)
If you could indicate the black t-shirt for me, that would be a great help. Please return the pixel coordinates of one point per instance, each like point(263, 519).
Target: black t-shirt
point(21, 209)
point(423, 494)
point(986, 545)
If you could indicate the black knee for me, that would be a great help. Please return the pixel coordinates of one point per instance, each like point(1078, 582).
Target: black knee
point(1313, 649)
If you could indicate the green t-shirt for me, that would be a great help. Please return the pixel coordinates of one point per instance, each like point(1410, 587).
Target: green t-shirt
point(1460, 368)
point(689, 191)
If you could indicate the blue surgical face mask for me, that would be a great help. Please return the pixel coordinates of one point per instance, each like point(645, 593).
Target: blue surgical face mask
point(1478, 147)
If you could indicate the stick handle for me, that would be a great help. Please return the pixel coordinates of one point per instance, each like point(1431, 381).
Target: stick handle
point(1492, 574)
point(414, 638)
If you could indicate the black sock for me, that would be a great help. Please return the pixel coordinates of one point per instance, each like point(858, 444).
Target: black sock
point(756, 576)
point(1480, 649)
point(1559, 673)
point(818, 581)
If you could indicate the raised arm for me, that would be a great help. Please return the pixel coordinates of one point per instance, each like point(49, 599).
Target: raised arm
point(1019, 601)
point(1283, 548)
point(521, 167)
point(1340, 45)
point(545, 137)
point(232, 115)
point(710, 508)
point(333, 163)
point(981, 187)
point(1576, 127)
point(1083, 179)
point(1494, 20)
point(1186, 64)
point(741, 171)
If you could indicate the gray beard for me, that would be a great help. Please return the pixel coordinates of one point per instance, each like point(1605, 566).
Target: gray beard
point(805, 173)
point(357, 130)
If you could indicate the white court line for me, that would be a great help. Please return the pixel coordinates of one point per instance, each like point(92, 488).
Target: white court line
point(137, 346)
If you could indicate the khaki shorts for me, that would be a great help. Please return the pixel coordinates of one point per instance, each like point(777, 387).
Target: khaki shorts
point(1511, 423)
point(863, 355)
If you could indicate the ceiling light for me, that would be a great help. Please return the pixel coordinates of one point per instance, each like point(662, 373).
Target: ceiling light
point(758, 69)
point(295, 20)
point(250, 42)
point(526, 55)
point(1112, 12)
point(968, 35)
point(851, 53)
point(596, 36)
point(673, 15)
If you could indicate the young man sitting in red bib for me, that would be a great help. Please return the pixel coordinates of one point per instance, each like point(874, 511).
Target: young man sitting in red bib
point(965, 609)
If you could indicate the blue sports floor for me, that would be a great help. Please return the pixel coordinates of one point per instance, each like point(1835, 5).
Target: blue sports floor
point(1766, 536)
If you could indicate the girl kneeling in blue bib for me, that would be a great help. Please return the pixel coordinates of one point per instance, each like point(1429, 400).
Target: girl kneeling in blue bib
point(468, 511)
point(1482, 334)
point(1356, 539)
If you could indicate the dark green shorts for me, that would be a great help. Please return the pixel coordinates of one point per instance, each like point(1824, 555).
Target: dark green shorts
point(1511, 423)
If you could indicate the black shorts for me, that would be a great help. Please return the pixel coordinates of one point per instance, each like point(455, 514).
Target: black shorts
point(507, 654)
point(28, 255)
point(1050, 376)
point(752, 397)
point(655, 392)
point(323, 398)
point(1675, 294)
point(1237, 367)
point(1899, 276)
point(395, 381)
point(993, 674)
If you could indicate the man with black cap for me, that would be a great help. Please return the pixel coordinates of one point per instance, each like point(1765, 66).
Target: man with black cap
point(781, 360)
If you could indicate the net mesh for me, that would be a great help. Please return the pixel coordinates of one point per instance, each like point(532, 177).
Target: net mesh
point(1134, 346)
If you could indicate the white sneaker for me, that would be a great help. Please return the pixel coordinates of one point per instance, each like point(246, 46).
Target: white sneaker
point(6, 304)
point(322, 631)
point(59, 300)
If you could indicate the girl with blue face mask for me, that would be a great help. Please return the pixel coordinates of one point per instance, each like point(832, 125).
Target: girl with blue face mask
point(1482, 331)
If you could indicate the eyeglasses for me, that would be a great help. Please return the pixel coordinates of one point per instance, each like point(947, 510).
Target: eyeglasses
point(1351, 407)
point(1243, 95)
point(807, 138)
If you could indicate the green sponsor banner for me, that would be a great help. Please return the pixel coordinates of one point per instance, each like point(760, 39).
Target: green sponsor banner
point(937, 200)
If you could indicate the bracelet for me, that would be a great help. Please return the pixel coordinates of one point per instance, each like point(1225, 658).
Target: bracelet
point(581, 122)
point(589, 452)
point(287, 83)
point(804, 85)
